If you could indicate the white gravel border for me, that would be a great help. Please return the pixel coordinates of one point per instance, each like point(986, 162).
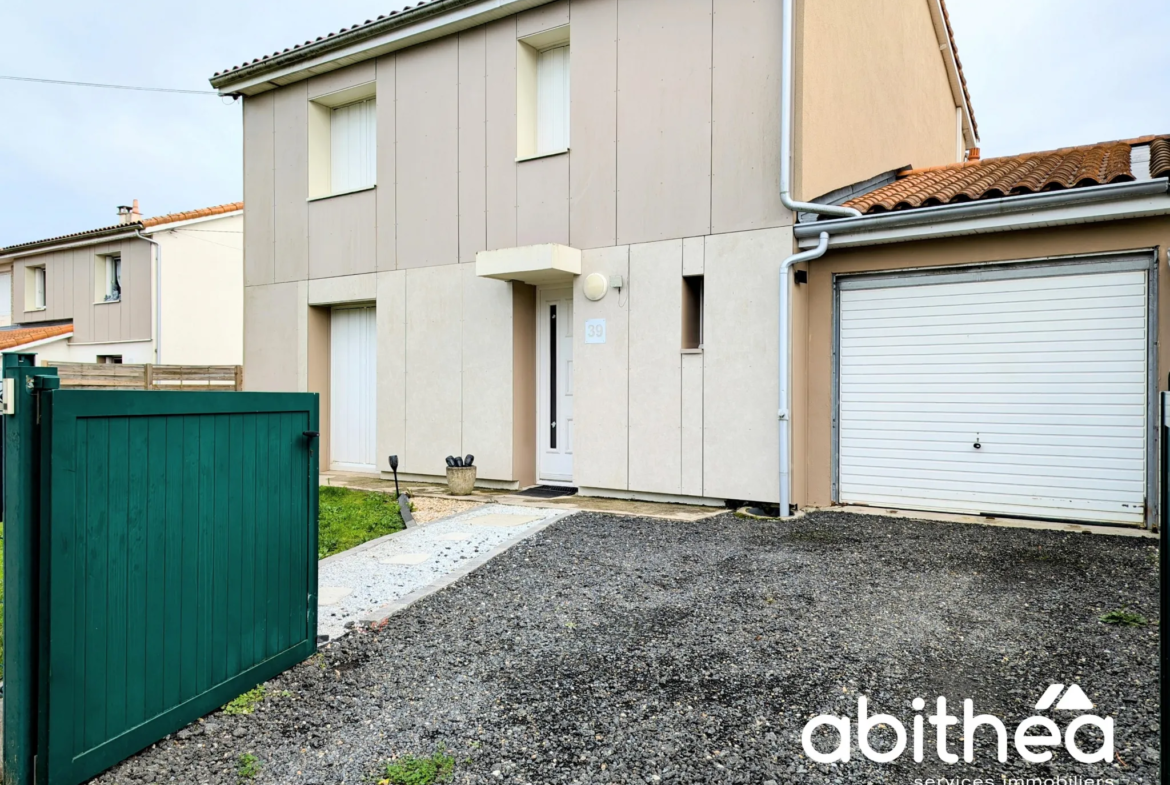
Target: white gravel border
point(379, 589)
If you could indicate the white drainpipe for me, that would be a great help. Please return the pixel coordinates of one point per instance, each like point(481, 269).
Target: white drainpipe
point(157, 295)
point(787, 47)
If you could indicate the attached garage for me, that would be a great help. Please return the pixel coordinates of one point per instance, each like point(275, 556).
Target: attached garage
point(1018, 390)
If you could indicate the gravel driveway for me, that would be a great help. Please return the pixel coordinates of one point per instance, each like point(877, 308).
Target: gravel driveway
point(626, 650)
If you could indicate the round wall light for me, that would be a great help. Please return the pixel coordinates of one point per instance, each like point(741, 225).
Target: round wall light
point(596, 285)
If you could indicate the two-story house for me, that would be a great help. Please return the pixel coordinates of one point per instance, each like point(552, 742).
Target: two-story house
point(167, 290)
point(549, 233)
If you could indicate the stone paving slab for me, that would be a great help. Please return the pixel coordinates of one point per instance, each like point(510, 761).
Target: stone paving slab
point(366, 584)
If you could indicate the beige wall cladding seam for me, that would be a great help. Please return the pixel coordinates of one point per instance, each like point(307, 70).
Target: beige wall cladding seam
point(386, 251)
point(259, 189)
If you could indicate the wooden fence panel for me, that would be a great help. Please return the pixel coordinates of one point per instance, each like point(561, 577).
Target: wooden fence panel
point(127, 376)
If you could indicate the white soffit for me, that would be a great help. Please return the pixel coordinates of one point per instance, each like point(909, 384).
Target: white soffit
point(531, 264)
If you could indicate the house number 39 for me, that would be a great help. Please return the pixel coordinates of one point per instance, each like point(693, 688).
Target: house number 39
point(595, 331)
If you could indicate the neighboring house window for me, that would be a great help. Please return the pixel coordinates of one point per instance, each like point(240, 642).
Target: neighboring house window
point(542, 94)
point(353, 146)
point(108, 274)
point(109, 359)
point(5, 299)
point(35, 286)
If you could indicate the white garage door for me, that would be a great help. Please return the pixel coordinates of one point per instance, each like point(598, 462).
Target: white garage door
point(352, 388)
point(1022, 392)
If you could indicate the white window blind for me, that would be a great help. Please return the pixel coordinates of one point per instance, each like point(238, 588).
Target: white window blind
point(552, 100)
point(353, 146)
point(39, 275)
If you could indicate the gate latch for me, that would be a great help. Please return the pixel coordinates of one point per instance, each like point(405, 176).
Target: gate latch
point(46, 382)
point(310, 434)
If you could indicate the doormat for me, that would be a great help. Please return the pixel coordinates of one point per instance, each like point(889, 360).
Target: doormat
point(547, 492)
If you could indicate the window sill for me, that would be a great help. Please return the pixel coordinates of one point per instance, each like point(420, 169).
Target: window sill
point(542, 155)
point(34, 310)
point(341, 193)
point(692, 351)
point(107, 302)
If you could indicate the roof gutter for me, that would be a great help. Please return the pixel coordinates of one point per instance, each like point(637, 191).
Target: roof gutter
point(784, 344)
point(1114, 201)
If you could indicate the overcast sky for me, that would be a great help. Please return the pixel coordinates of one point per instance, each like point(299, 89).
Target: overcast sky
point(1042, 74)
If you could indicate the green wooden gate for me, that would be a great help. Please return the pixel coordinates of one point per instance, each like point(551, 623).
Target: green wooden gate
point(177, 563)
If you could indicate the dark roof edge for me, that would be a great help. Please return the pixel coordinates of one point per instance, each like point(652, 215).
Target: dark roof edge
point(333, 42)
point(853, 191)
point(92, 234)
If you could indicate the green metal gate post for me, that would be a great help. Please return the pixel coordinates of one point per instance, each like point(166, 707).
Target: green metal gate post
point(21, 558)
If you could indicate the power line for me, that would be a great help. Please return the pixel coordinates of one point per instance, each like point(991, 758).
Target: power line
point(109, 86)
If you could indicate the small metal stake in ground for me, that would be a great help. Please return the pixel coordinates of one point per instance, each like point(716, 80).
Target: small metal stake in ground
point(403, 499)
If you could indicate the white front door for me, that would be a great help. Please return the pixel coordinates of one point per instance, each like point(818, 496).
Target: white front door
point(554, 425)
point(352, 388)
point(1019, 393)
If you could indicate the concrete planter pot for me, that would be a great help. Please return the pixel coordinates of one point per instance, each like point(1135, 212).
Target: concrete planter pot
point(461, 479)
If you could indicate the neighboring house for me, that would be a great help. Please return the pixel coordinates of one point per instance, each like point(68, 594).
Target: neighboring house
point(99, 289)
point(429, 191)
point(990, 338)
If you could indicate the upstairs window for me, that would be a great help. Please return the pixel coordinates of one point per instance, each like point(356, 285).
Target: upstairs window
point(343, 141)
point(352, 146)
point(552, 100)
point(35, 286)
point(542, 94)
point(108, 278)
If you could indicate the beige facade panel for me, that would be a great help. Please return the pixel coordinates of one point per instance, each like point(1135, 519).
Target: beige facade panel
point(427, 153)
point(740, 389)
point(694, 249)
point(342, 235)
point(692, 424)
point(341, 79)
point(655, 367)
point(386, 173)
point(472, 143)
point(664, 121)
point(593, 133)
point(601, 394)
point(487, 374)
point(290, 183)
point(275, 345)
point(138, 266)
point(542, 201)
point(871, 93)
point(392, 376)
point(745, 129)
point(1068, 241)
point(344, 289)
point(544, 17)
point(500, 82)
point(433, 381)
point(259, 190)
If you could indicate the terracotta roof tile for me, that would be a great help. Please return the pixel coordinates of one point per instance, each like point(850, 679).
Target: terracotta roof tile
point(10, 339)
point(146, 223)
point(189, 215)
point(994, 178)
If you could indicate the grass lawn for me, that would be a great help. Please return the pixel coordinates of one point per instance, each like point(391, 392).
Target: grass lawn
point(348, 518)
